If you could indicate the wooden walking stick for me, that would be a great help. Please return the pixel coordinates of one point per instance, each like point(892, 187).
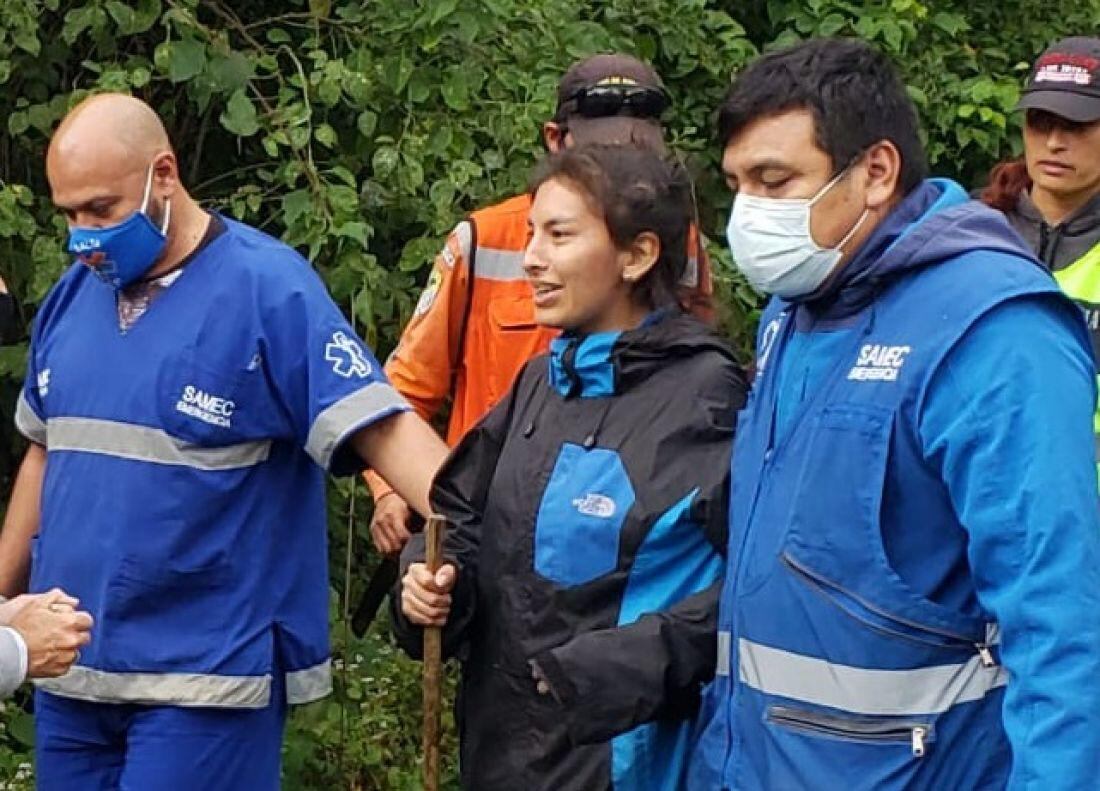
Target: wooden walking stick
point(433, 662)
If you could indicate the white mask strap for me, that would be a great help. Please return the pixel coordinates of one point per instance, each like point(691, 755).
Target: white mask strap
point(832, 183)
point(149, 194)
point(148, 189)
point(848, 236)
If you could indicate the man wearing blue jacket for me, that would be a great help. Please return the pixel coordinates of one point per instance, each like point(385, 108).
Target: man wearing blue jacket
point(914, 563)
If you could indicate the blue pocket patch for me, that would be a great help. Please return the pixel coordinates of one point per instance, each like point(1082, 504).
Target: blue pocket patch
point(581, 515)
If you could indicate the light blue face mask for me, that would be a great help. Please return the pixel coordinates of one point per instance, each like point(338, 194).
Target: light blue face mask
point(120, 254)
point(772, 245)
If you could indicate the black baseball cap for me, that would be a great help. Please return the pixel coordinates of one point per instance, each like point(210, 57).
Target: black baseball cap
point(612, 98)
point(1065, 81)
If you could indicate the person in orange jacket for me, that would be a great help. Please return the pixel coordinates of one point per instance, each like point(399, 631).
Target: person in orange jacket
point(474, 326)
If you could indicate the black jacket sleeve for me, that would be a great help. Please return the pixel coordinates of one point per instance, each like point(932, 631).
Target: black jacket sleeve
point(458, 493)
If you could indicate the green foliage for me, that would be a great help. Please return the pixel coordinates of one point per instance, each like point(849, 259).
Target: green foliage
point(360, 132)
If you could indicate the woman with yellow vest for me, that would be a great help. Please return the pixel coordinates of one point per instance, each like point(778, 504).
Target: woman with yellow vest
point(1052, 194)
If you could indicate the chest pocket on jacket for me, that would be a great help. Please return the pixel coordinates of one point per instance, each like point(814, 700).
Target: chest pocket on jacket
point(581, 516)
point(514, 338)
point(207, 402)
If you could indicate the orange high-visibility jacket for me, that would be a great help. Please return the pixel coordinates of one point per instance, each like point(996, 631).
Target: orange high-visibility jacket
point(472, 340)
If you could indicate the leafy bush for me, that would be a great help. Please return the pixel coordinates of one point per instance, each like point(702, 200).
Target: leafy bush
point(360, 132)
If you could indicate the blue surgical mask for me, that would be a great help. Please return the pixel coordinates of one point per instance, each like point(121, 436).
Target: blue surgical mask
point(120, 254)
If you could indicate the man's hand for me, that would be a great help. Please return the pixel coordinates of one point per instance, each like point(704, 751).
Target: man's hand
point(12, 607)
point(54, 632)
point(426, 597)
point(389, 527)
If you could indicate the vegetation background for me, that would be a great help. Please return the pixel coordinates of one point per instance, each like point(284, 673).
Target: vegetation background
point(361, 131)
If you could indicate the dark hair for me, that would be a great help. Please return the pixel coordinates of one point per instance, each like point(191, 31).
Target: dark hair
point(635, 190)
point(1006, 181)
point(853, 91)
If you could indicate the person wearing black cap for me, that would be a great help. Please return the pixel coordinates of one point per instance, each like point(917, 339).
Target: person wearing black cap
point(1052, 194)
point(474, 326)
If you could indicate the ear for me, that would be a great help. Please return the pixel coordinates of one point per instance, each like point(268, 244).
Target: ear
point(553, 136)
point(883, 169)
point(642, 256)
point(166, 177)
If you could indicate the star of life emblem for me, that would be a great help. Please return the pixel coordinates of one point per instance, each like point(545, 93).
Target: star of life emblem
point(346, 356)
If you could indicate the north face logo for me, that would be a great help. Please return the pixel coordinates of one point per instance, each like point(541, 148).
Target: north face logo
point(347, 357)
point(596, 505)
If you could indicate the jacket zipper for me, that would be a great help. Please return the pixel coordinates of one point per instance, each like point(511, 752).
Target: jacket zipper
point(915, 734)
point(888, 623)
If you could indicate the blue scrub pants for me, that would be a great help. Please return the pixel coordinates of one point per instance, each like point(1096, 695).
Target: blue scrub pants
point(83, 746)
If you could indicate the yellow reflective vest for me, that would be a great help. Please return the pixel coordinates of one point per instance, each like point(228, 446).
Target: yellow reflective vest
point(1081, 282)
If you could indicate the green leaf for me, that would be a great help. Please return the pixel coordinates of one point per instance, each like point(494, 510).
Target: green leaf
point(22, 728)
point(76, 22)
point(326, 136)
point(831, 25)
point(952, 24)
point(359, 231)
point(467, 26)
point(456, 90)
point(419, 87)
point(123, 15)
point(384, 162)
point(440, 9)
point(239, 116)
point(186, 59)
point(296, 204)
point(396, 71)
point(366, 123)
point(278, 36)
point(27, 40)
point(140, 76)
point(232, 72)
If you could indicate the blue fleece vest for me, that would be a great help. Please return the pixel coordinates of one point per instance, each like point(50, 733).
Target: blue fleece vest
point(832, 673)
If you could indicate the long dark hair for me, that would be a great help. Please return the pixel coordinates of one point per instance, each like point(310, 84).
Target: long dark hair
point(635, 190)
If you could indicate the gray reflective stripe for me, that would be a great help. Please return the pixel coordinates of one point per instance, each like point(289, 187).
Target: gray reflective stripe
point(992, 634)
point(926, 690)
point(333, 425)
point(494, 264)
point(722, 667)
point(28, 423)
point(143, 443)
point(464, 236)
point(313, 683)
point(171, 689)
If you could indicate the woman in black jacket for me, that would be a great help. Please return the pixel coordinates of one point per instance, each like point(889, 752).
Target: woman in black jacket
point(588, 509)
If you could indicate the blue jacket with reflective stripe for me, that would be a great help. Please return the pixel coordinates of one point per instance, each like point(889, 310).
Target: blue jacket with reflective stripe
point(588, 515)
point(873, 554)
point(183, 501)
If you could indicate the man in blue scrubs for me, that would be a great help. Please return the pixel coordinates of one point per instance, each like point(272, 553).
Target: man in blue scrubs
point(914, 565)
point(190, 381)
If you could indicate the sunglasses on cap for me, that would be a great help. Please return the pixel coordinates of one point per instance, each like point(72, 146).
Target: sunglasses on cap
point(601, 101)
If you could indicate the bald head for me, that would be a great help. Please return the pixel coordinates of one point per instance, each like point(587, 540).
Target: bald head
point(110, 124)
